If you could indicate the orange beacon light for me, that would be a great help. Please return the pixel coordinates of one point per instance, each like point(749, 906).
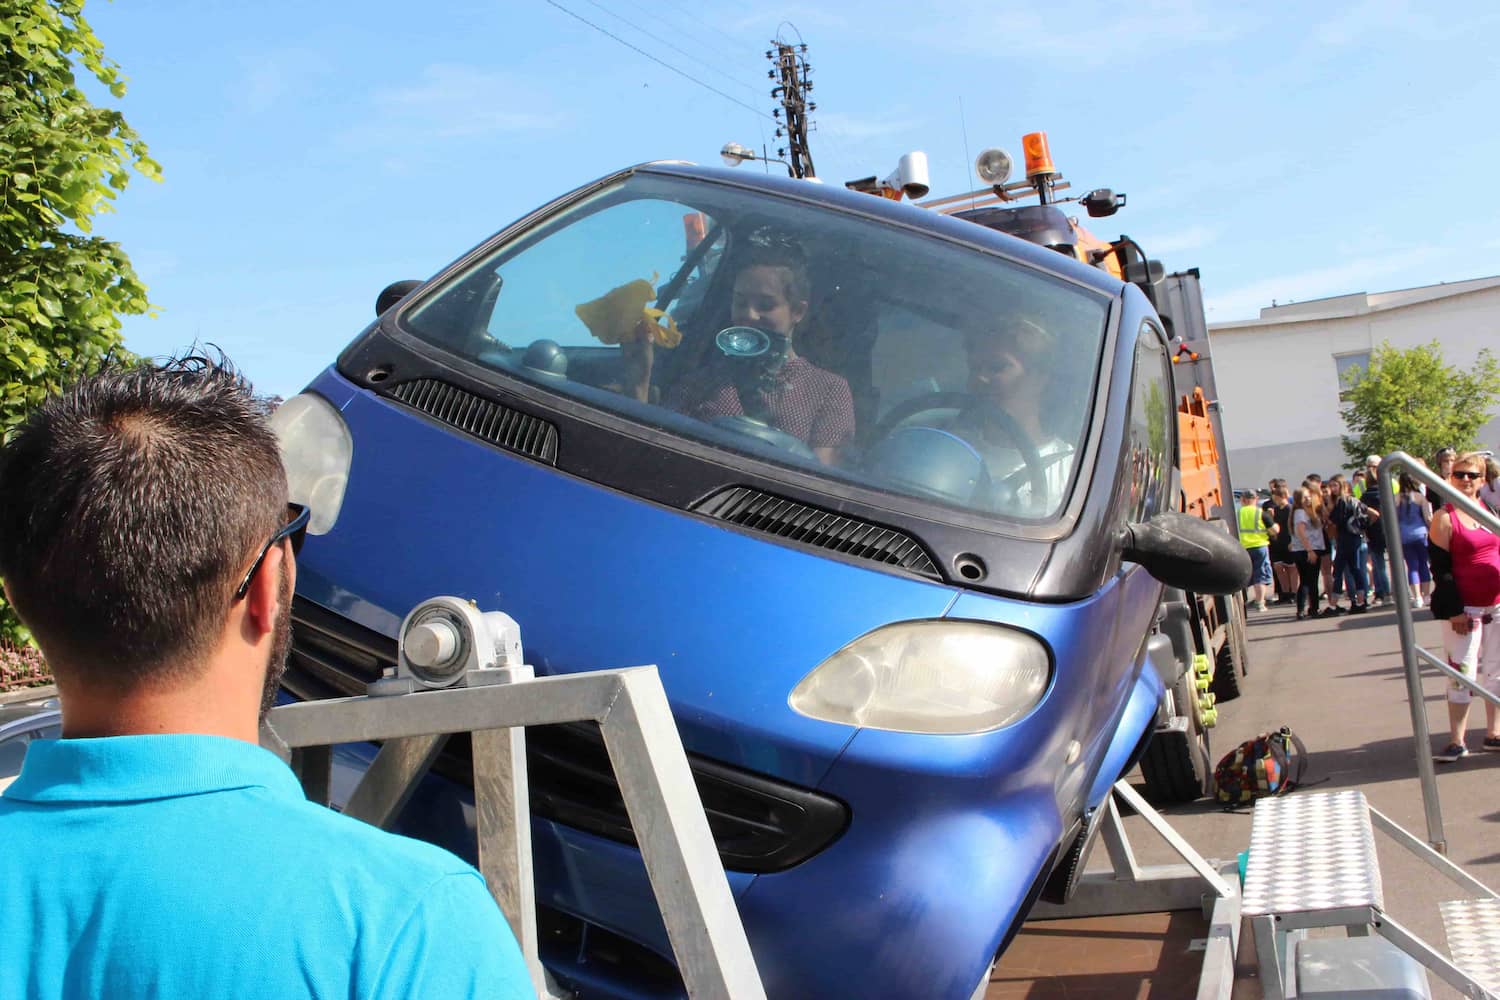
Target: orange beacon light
point(1038, 156)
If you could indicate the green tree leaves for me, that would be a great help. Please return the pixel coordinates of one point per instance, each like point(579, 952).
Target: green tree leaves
point(1411, 400)
point(63, 160)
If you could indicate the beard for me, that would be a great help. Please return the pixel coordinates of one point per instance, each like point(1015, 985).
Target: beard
point(281, 645)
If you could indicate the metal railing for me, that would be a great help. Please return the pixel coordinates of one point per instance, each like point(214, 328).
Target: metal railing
point(1414, 656)
point(640, 735)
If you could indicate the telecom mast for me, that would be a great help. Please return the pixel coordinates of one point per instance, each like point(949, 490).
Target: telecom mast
point(790, 68)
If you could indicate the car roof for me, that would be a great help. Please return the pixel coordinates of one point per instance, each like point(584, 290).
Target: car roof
point(899, 213)
point(17, 713)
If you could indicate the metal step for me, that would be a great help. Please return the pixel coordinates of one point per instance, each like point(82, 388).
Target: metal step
point(1472, 927)
point(1312, 853)
point(1313, 865)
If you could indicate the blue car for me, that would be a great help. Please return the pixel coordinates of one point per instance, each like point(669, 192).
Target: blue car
point(876, 490)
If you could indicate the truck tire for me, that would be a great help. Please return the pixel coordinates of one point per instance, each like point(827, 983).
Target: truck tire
point(1172, 768)
point(1229, 661)
point(1175, 765)
point(1243, 635)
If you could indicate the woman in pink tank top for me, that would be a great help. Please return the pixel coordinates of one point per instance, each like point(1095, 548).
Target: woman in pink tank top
point(1467, 596)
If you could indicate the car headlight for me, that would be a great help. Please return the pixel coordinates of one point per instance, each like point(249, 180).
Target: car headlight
point(928, 677)
point(316, 449)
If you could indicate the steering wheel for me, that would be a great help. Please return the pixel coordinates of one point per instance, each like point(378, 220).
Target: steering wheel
point(765, 434)
point(989, 415)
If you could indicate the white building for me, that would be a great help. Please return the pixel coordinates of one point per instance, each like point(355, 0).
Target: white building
point(1278, 376)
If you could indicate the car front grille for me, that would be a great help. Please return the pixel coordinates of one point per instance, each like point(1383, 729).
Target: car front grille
point(777, 516)
point(487, 420)
point(760, 824)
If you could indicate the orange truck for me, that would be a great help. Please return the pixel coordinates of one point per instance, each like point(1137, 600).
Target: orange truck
point(1199, 645)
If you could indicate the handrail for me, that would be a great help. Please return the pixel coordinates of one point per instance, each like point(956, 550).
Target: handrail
point(1411, 653)
point(687, 877)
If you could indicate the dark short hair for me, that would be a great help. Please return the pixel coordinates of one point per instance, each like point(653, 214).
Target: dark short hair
point(778, 251)
point(130, 504)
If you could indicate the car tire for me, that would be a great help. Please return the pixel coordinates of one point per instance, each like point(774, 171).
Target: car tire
point(1064, 878)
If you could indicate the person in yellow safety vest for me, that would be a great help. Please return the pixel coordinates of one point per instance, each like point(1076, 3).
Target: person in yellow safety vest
point(1256, 529)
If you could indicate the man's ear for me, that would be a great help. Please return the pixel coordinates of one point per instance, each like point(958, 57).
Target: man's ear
point(263, 599)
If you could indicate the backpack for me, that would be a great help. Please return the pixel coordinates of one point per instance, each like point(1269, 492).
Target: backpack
point(1357, 514)
point(1360, 522)
point(1260, 768)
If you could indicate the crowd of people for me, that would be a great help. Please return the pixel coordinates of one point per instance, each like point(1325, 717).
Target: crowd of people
point(1321, 545)
point(1324, 541)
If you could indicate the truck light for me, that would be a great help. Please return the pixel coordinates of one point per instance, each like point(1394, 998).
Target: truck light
point(993, 166)
point(1038, 156)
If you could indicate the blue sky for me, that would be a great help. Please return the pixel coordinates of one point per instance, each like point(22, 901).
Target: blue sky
point(313, 153)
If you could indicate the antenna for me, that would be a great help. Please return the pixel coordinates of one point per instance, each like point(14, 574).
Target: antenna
point(964, 125)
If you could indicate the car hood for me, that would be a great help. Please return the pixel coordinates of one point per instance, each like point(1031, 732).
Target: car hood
point(598, 579)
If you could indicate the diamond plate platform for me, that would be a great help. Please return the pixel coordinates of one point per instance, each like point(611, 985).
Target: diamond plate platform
point(1311, 852)
point(1473, 930)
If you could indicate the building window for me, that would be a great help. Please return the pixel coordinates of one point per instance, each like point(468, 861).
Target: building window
point(1348, 366)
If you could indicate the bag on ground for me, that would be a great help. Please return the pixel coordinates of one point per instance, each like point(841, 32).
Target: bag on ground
point(1271, 764)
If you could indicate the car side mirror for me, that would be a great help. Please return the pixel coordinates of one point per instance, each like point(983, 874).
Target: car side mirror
point(1188, 552)
point(393, 293)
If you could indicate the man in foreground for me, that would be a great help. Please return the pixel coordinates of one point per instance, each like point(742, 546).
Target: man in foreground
point(156, 850)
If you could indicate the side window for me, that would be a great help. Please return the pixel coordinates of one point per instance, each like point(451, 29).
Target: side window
point(1152, 427)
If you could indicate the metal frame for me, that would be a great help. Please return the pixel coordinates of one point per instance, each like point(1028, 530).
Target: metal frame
point(1412, 655)
point(1128, 887)
point(1276, 932)
point(630, 706)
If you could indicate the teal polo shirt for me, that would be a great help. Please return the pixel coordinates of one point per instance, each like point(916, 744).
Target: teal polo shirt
point(193, 867)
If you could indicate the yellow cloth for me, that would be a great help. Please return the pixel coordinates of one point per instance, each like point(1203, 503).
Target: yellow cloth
point(621, 315)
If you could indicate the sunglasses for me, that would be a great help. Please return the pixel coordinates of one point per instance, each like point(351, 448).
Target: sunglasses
point(294, 529)
point(1465, 474)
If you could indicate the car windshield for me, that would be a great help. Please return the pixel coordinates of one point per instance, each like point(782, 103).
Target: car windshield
point(838, 344)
